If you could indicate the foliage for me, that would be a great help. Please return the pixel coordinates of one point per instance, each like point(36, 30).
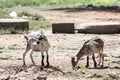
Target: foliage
point(36, 21)
point(4, 13)
point(15, 47)
point(11, 31)
point(58, 3)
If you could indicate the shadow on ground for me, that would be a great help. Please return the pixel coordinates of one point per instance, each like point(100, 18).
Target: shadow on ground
point(90, 8)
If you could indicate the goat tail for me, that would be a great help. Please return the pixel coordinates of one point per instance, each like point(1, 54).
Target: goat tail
point(26, 38)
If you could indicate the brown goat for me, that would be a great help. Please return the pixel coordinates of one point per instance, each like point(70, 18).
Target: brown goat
point(90, 47)
point(37, 44)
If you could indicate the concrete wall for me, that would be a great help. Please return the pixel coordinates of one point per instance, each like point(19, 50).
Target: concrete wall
point(63, 28)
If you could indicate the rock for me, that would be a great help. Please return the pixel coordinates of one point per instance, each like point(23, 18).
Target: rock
point(4, 77)
point(40, 77)
point(2, 70)
point(20, 78)
point(19, 58)
point(94, 76)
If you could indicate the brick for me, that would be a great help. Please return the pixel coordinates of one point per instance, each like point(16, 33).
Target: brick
point(15, 24)
point(63, 28)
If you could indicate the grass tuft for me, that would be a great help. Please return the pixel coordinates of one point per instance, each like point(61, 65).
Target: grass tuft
point(58, 3)
point(36, 22)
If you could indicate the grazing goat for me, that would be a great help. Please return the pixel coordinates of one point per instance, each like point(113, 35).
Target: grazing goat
point(37, 44)
point(90, 47)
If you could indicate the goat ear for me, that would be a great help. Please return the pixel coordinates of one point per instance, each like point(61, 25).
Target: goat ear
point(42, 37)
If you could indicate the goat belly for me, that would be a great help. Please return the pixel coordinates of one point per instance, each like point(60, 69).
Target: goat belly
point(37, 47)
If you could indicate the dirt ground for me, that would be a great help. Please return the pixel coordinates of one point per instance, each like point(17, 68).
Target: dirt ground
point(63, 47)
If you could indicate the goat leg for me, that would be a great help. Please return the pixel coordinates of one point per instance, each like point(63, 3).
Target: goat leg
point(95, 64)
point(87, 65)
point(102, 60)
point(32, 58)
point(24, 54)
point(42, 62)
point(100, 56)
point(47, 61)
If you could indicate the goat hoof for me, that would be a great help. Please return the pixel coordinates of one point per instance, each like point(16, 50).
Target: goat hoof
point(87, 66)
point(76, 68)
point(42, 68)
point(42, 64)
point(33, 64)
point(24, 66)
point(47, 66)
point(101, 65)
point(95, 66)
point(98, 64)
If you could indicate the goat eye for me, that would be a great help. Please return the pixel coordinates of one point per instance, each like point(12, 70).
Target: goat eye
point(40, 38)
point(38, 42)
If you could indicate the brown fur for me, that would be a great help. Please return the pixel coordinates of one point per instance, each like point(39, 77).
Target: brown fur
point(90, 47)
point(32, 44)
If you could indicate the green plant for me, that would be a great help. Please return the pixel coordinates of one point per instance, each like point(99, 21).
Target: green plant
point(4, 13)
point(24, 13)
point(104, 2)
point(38, 17)
point(12, 31)
point(35, 25)
point(2, 58)
point(2, 47)
point(14, 47)
point(111, 77)
point(36, 21)
point(58, 3)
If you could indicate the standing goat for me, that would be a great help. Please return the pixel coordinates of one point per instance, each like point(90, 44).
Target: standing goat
point(37, 44)
point(90, 47)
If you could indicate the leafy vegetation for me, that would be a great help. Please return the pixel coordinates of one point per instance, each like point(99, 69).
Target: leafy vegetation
point(15, 47)
point(12, 31)
point(36, 21)
point(4, 13)
point(58, 3)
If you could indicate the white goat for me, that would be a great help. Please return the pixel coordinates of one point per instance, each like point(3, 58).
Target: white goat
point(90, 47)
point(37, 44)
